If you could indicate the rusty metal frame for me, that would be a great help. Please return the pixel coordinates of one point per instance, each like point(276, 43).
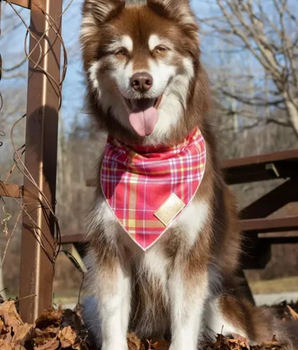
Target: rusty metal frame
point(37, 270)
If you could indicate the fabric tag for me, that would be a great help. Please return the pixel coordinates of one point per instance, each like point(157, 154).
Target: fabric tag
point(170, 209)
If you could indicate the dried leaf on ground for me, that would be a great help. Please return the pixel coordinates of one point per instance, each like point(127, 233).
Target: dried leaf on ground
point(4, 345)
point(18, 347)
point(2, 326)
point(293, 313)
point(51, 317)
point(223, 343)
point(9, 315)
point(22, 333)
point(72, 318)
point(52, 344)
point(7, 335)
point(134, 342)
point(67, 337)
point(43, 336)
point(161, 345)
point(64, 329)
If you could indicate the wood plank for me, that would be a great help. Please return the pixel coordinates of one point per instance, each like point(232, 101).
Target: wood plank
point(10, 190)
point(289, 223)
point(289, 155)
point(260, 168)
point(72, 253)
point(23, 3)
point(36, 269)
point(280, 240)
point(271, 201)
point(73, 238)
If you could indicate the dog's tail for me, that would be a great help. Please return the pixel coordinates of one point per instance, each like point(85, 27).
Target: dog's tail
point(237, 316)
point(291, 329)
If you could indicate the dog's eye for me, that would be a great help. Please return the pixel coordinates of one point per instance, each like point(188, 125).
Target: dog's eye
point(121, 52)
point(160, 49)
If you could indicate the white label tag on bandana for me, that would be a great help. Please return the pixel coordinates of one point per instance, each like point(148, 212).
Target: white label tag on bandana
point(169, 209)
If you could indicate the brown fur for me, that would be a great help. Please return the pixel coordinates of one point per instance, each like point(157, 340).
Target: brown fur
point(94, 48)
point(218, 245)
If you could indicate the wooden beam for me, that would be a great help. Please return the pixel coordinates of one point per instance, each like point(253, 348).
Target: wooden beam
point(23, 3)
point(272, 201)
point(280, 240)
point(289, 223)
point(269, 166)
point(43, 97)
point(289, 155)
point(73, 238)
point(10, 190)
point(71, 252)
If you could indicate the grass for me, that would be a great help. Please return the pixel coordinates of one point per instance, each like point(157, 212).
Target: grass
point(67, 296)
point(289, 284)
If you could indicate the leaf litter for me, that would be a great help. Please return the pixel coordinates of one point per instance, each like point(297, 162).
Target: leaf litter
point(58, 329)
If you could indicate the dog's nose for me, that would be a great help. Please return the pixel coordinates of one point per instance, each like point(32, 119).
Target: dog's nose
point(141, 82)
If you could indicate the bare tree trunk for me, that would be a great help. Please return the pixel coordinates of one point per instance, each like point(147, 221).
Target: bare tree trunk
point(293, 113)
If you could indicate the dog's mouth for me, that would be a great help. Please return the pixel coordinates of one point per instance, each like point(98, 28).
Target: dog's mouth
point(143, 114)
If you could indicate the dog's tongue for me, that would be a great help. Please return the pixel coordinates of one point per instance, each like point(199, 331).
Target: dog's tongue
point(143, 118)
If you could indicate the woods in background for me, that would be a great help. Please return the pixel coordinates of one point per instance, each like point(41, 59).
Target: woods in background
point(257, 43)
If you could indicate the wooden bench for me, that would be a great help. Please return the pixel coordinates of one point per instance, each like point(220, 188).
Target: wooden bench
point(254, 218)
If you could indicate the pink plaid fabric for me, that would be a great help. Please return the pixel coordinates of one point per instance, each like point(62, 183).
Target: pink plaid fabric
point(136, 182)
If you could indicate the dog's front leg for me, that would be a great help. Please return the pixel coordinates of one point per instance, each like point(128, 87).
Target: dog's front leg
point(188, 295)
point(112, 287)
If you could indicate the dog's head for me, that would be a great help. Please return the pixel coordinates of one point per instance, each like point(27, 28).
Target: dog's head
point(145, 81)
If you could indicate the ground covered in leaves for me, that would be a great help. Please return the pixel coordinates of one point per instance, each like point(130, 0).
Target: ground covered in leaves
point(58, 329)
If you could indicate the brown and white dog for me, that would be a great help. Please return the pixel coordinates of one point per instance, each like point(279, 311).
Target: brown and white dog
point(147, 56)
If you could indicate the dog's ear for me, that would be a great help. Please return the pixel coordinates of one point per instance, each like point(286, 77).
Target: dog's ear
point(96, 13)
point(178, 10)
point(103, 11)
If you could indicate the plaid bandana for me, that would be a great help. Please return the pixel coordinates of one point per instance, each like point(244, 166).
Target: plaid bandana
point(147, 189)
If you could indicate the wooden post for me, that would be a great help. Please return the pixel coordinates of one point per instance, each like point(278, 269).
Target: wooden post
point(36, 275)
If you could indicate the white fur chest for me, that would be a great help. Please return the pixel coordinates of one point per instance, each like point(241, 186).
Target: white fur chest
point(153, 268)
point(189, 223)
